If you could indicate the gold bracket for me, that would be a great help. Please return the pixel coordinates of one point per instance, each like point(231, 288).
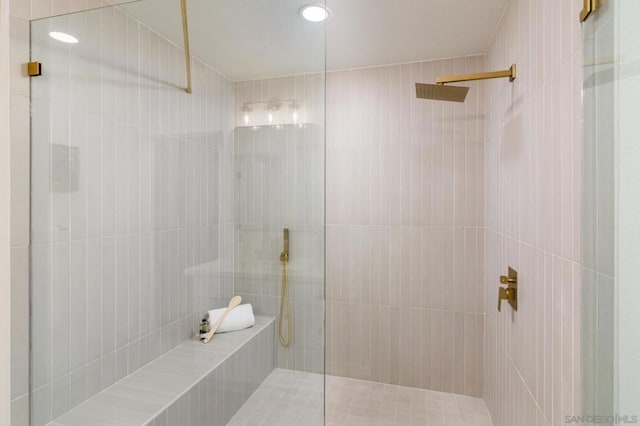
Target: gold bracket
point(589, 7)
point(511, 73)
point(187, 50)
point(34, 69)
point(510, 294)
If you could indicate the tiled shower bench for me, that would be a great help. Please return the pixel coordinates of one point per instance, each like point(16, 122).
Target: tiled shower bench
point(192, 385)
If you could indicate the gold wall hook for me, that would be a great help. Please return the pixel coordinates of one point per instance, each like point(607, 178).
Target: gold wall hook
point(510, 293)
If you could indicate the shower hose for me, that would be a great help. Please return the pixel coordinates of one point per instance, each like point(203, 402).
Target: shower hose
point(285, 303)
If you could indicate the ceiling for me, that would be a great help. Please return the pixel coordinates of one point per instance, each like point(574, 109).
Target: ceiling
point(254, 39)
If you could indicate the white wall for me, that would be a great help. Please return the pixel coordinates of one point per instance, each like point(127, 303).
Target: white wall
point(5, 203)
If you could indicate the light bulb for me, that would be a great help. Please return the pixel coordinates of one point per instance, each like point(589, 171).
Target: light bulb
point(63, 37)
point(314, 12)
point(295, 117)
point(246, 118)
point(270, 118)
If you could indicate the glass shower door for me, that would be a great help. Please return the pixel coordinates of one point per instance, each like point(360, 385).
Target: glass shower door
point(151, 207)
point(611, 245)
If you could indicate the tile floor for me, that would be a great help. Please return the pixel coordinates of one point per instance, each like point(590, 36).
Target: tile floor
point(288, 398)
point(285, 398)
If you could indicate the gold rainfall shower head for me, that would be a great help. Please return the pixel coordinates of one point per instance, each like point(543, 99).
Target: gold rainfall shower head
point(440, 92)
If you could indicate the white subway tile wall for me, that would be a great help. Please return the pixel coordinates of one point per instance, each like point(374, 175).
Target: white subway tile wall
point(405, 238)
point(533, 189)
point(132, 192)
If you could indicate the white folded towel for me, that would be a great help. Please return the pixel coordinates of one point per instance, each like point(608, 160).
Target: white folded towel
point(239, 318)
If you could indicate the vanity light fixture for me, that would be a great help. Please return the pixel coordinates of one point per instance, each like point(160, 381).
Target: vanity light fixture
point(273, 108)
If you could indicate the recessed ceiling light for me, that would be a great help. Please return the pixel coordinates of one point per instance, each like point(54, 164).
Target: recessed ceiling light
point(63, 37)
point(314, 12)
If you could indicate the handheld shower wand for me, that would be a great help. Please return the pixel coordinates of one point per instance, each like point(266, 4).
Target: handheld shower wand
point(284, 256)
point(285, 302)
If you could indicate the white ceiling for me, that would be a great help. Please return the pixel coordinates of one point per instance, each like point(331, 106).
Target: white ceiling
point(253, 39)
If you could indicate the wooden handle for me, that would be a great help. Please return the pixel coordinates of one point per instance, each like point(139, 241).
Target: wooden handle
point(235, 301)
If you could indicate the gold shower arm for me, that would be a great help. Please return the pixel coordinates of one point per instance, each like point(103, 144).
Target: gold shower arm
point(511, 73)
point(187, 50)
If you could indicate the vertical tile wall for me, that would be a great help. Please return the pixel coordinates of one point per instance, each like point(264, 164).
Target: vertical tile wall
point(533, 190)
point(280, 183)
point(405, 238)
point(132, 193)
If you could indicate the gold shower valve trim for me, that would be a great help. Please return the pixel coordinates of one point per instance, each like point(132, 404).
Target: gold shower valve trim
point(510, 293)
point(511, 73)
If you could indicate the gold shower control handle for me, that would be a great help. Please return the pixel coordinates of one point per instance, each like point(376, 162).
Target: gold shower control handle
point(503, 294)
point(510, 293)
point(507, 280)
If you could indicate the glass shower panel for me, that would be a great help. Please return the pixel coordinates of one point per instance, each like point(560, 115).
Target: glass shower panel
point(610, 202)
point(598, 201)
point(280, 184)
point(627, 18)
point(151, 206)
